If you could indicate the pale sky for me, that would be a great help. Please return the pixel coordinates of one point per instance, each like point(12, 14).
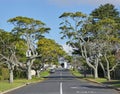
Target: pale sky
point(47, 11)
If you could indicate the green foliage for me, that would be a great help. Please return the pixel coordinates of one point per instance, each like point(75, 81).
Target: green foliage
point(18, 73)
point(25, 25)
point(73, 15)
point(6, 86)
point(105, 11)
point(49, 50)
point(10, 42)
point(19, 82)
point(6, 41)
point(75, 73)
point(21, 48)
point(93, 36)
point(111, 58)
point(44, 73)
point(24, 20)
point(68, 58)
point(5, 74)
point(106, 29)
point(66, 14)
point(0, 70)
point(1, 78)
point(71, 23)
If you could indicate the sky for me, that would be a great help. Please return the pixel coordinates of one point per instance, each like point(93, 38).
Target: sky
point(47, 11)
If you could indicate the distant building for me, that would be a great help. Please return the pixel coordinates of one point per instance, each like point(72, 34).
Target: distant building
point(63, 62)
point(65, 65)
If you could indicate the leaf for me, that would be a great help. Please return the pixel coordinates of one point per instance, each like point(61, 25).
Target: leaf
point(65, 14)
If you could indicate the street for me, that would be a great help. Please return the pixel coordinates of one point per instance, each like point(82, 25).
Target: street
point(62, 82)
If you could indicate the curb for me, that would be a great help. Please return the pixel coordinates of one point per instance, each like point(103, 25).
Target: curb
point(118, 89)
point(109, 86)
point(13, 89)
point(20, 86)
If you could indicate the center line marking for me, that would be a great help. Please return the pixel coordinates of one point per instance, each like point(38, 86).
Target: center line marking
point(61, 90)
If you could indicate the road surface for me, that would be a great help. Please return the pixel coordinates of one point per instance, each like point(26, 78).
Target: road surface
point(62, 82)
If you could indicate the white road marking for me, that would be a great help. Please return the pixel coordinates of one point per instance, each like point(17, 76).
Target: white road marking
point(78, 87)
point(61, 88)
point(85, 92)
point(74, 87)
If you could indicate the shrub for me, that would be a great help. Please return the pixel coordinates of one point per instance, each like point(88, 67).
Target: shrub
point(5, 73)
point(1, 78)
point(0, 70)
point(18, 73)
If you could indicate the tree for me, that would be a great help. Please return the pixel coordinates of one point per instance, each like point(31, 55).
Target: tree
point(79, 37)
point(105, 11)
point(50, 50)
point(30, 30)
point(8, 52)
point(108, 35)
point(106, 28)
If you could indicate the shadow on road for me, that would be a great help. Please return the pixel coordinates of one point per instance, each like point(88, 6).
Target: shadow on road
point(63, 77)
point(111, 82)
point(95, 87)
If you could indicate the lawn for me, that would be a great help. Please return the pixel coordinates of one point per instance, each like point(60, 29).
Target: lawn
point(75, 73)
point(5, 85)
point(115, 83)
point(44, 73)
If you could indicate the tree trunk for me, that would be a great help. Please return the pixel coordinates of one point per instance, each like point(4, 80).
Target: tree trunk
point(108, 72)
point(105, 74)
point(95, 72)
point(11, 76)
point(108, 75)
point(38, 73)
point(108, 68)
point(94, 67)
point(29, 77)
point(85, 74)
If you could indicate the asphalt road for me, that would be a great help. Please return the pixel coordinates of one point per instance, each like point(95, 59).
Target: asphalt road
point(62, 82)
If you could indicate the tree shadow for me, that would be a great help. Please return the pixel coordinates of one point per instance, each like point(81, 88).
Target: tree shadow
point(63, 77)
point(112, 83)
point(95, 87)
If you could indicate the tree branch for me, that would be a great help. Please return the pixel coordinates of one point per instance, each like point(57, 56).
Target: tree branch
point(114, 67)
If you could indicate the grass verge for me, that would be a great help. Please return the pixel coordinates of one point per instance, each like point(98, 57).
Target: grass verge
point(5, 85)
point(44, 73)
point(75, 73)
point(114, 83)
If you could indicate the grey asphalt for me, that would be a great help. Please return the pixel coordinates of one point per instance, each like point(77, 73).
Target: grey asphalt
point(62, 82)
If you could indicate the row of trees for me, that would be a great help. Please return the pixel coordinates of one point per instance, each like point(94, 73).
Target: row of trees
point(25, 47)
point(94, 37)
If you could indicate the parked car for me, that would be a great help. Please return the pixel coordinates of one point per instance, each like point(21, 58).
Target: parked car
point(52, 70)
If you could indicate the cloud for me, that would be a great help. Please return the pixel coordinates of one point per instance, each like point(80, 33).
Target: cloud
point(83, 2)
point(67, 48)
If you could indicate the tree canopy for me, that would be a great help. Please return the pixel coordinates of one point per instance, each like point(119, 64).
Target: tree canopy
point(105, 11)
point(50, 50)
